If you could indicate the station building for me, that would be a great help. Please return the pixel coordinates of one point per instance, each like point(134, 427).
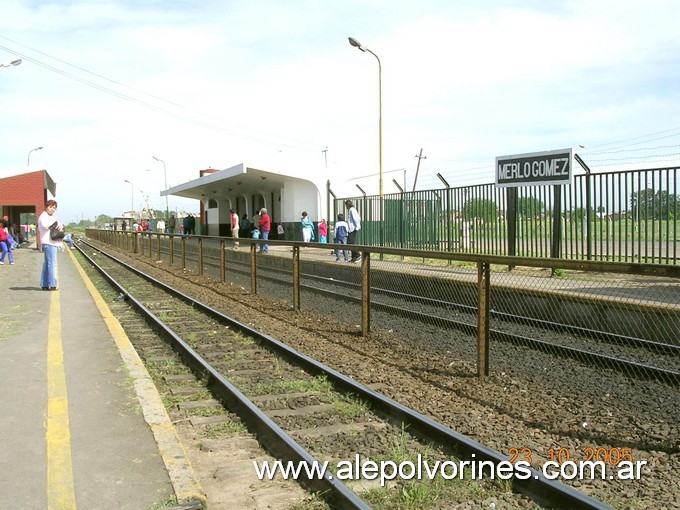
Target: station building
point(246, 189)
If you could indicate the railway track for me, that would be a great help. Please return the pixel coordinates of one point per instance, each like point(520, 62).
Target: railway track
point(642, 358)
point(300, 408)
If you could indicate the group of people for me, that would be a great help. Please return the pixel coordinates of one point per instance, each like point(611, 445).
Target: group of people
point(344, 232)
point(11, 237)
point(188, 225)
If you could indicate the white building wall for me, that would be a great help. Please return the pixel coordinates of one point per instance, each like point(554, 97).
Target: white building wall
point(298, 196)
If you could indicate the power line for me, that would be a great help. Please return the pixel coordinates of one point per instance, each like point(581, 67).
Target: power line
point(237, 130)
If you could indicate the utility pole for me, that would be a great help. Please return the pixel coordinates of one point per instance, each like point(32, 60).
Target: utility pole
point(325, 156)
point(419, 156)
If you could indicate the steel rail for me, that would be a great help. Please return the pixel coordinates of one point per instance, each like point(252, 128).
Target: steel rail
point(280, 444)
point(536, 485)
point(605, 336)
point(640, 370)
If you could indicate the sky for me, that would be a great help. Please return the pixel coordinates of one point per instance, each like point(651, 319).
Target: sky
point(104, 86)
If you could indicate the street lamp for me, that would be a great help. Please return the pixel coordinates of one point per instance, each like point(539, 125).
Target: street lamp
point(132, 197)
point(29, 154)
point(165, 174)
point(358, 45)
point(14, 62)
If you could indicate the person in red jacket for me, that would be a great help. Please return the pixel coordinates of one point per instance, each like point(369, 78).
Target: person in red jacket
point(5, 243)
point(265, 226)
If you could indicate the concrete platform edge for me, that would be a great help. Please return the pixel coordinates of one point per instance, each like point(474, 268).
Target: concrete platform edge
point(180, 471)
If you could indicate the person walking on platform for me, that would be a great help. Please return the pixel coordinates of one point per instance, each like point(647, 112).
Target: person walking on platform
point(49, 246)
point(354, 225)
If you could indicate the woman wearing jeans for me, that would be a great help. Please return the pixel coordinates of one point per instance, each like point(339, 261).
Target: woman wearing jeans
point(49, 246)
point(5, 244)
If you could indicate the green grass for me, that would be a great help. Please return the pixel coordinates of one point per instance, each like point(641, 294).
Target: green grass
point(316, 384)
point(228, 429)
point(348, 407)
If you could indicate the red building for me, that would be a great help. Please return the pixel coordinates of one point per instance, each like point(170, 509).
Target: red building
point(25, 193)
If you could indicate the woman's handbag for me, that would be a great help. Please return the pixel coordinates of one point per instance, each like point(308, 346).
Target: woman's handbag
point(56, 235)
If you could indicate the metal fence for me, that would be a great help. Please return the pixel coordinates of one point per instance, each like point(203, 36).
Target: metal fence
point(624, 302)
point(597, 341)
point(625, 216)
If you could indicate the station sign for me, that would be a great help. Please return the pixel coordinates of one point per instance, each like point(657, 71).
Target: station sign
point(534, 169)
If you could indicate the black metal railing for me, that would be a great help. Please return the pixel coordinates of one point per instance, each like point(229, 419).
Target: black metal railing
point(623, 216)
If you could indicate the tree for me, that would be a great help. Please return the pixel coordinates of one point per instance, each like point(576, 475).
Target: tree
point(102, 220)
point(647, 205)
point(578, 214)
point(529, 207)
point(480, 209)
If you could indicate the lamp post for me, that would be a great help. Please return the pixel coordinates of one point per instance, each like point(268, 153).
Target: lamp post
point(165, 175)
point(132, 197)
point(29, 154)
point(14, 62)
point(357, 44)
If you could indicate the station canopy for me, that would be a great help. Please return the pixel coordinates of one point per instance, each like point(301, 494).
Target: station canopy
point(237, 180)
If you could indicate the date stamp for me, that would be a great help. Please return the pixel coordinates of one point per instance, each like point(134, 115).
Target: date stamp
point(611, 456)
point(592, 463)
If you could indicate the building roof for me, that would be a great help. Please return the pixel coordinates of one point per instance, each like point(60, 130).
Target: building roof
point(239, 179)
point(48, 182)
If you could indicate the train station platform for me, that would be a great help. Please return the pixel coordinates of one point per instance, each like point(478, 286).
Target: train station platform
point(81, 423)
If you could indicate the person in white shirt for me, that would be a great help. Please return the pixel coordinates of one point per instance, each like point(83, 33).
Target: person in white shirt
point(354, 225)
point(49, 246)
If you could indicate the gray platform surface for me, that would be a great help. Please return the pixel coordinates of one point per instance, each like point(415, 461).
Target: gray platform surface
point(114, 457)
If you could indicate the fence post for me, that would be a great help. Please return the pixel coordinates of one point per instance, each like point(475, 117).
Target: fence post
point(222, 257)
point(365, 294)
point(200, 256)
point(184, 252)
point(135, 242)
point(511, 219)
point(172, 249)
point(483, 316)
point(253, 269)
point(296, 277)
point(556, 248)
point(159, 247)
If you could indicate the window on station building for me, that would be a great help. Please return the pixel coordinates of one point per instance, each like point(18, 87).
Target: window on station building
point(212, 204)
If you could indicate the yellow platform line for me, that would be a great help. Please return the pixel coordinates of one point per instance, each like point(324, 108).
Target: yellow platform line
point(60, 492)
point(180, 471)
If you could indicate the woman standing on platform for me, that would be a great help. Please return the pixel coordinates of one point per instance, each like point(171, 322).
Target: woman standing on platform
point(49, 246)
